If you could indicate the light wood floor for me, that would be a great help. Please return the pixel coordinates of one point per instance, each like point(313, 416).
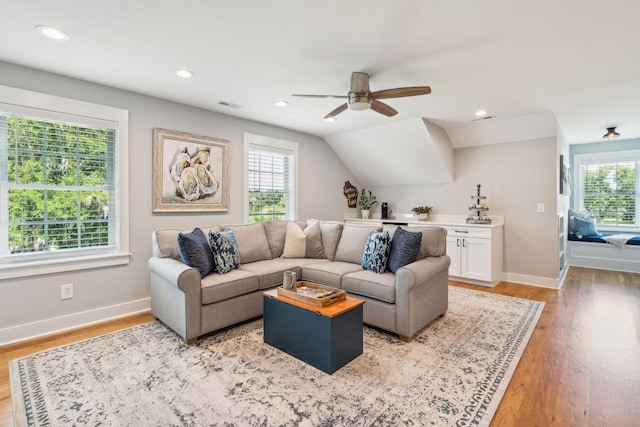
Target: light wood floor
point(580, 368)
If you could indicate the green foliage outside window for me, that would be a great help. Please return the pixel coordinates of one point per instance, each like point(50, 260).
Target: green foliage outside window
point(266, 206)
point(57, 185)
point(610, 193)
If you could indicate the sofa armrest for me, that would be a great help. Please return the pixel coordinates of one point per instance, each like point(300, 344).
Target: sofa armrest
point(419, 273)
point(176, 273)
point(176, 296)
point(422, 293)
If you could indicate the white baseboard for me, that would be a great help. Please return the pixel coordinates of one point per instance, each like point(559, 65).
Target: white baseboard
point(525, 279)
point(71, 321)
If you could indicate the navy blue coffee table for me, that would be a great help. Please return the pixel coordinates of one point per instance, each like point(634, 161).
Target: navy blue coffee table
point(324, 337)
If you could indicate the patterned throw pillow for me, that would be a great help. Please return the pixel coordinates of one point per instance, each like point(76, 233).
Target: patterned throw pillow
point(225, 251)
point(376, 252)
point(195, 251)
point(404, 249)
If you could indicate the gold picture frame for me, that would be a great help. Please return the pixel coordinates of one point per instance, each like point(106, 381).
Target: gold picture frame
point(190, 172)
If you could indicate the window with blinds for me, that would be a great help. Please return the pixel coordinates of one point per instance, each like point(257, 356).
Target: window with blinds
point(271, 179)
point(609, 188)
point(270, 189)
point(57, 186)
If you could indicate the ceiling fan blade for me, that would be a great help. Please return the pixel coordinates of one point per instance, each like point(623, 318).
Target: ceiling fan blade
point(337, 111)
point(400, 92)
point(322, 96)
point(382, 108)
point(359, 82)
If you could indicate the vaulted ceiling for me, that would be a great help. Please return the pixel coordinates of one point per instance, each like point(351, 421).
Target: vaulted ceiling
point(575, 59)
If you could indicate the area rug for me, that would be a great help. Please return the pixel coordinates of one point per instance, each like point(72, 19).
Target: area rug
point(454, 373)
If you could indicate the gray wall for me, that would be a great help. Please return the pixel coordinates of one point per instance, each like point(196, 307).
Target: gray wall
point(514, 177)
point(34, 299)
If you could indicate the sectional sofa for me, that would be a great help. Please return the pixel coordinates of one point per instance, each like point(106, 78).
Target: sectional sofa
point(402, 302)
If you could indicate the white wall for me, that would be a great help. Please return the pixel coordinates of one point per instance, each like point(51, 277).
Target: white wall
point(31, 305)
point(515, 177)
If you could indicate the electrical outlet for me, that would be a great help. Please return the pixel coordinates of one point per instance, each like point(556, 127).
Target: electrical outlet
point(66, 291)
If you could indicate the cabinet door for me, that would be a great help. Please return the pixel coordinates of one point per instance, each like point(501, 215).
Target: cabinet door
point(476, 258)
point(454, 245)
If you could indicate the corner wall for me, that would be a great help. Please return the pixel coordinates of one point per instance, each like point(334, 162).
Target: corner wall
point(515, 177)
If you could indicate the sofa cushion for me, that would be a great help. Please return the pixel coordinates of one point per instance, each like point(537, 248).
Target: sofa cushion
point(165, 242)
point(369, 284)
point(405, 247)
point(270, 271)
point(314, 241)
point(434, 240)
point(216, 288)
point(352, 242)
point(328, 273)
point(376, 252)
point(225, 251)
point(330, 232)
point(252, 241)
point(195, 251)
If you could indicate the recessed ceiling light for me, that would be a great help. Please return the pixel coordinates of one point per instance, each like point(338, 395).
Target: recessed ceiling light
point(52, 33)
point(481, 113)
point(184, 73)
point(281, 103)
point(331, 119)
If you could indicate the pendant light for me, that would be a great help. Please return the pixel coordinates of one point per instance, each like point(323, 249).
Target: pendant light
point(611, 133)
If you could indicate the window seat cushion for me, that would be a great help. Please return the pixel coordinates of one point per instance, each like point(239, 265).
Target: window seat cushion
point(598, 238)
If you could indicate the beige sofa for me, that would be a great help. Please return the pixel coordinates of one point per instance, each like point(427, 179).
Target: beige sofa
point(401, 303)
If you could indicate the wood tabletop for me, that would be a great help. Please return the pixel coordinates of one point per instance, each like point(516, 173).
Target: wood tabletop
point(331, 310)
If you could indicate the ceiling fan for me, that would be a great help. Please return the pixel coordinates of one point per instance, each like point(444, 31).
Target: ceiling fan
point(361, 98)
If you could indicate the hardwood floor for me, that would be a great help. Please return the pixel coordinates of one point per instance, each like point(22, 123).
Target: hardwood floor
point(580, 368)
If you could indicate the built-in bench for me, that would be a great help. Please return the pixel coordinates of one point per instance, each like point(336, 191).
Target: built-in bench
point(594, 252)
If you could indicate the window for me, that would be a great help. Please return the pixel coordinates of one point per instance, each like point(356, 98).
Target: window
point(608, 185)
point(61, 199)
point(270, 166)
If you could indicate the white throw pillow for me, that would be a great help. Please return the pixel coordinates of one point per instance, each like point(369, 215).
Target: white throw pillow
point(295, 243)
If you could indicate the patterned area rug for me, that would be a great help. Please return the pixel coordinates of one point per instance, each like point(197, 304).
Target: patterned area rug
point(453, 374)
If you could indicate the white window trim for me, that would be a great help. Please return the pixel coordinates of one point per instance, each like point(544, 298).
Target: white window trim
point(610, 156)
point(55, 106)
point(252, 140)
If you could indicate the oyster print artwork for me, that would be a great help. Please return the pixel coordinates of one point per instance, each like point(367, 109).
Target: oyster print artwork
point(193, 173)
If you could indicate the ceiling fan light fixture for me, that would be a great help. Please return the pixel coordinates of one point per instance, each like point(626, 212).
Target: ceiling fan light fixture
point(611, 133)
point(331, 119)
point(359, 102)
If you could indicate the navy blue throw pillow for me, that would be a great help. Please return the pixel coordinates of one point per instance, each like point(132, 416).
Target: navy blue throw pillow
point(195, 251)
point(405, 246)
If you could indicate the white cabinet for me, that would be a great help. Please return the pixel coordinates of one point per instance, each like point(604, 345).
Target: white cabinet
point(476, 254)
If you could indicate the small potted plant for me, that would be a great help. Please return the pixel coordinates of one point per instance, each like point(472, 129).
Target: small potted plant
point(422, 212)
point(366, 202)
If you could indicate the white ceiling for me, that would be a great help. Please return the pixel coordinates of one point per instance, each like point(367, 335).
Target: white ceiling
point(575, 58)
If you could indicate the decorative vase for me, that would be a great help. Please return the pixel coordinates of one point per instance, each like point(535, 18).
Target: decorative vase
point(365, 213)
point(423, 217)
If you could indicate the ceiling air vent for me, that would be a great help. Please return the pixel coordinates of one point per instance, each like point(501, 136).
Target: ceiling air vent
point(483, 118)
point(229, 104)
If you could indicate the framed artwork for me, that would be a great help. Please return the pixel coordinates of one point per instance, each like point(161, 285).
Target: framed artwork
point(190, 172)
point(565, 176)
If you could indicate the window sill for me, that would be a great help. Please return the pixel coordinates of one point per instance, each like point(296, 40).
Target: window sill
point(35, 268)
